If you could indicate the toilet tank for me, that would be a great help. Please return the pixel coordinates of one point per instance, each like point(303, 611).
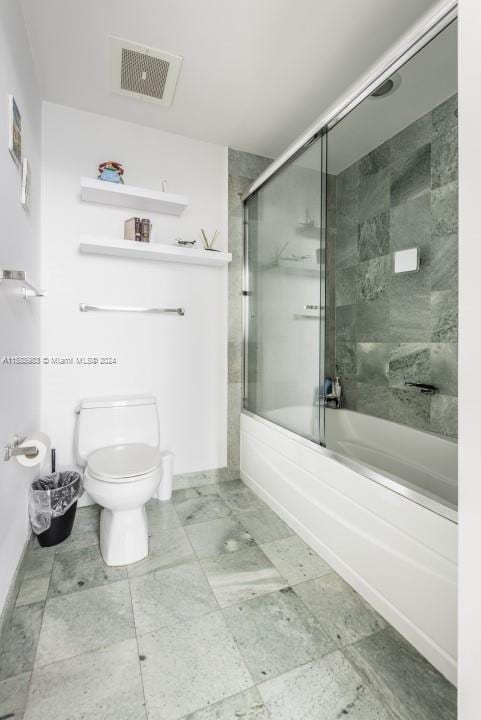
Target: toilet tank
point(106, 421)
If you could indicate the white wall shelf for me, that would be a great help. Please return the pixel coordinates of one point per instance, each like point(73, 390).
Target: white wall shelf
point(152, 251)
point(129, 196)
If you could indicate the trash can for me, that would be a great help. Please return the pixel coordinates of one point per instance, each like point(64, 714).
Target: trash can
point(52, 505)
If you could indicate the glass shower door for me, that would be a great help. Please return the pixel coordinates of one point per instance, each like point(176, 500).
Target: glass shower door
point(284, 297)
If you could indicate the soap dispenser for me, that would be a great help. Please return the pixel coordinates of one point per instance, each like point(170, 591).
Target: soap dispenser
point(338, 390)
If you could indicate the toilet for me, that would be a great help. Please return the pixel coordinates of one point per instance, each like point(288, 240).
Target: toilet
point(118, 444)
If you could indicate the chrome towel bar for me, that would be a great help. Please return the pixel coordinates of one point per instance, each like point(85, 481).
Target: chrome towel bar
point(83, 307)
point(29, 290)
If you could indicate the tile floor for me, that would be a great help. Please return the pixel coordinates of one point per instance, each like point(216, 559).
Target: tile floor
point(231, 616)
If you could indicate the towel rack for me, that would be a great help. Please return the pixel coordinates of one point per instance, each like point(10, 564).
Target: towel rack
point(83, 307)
point(29, 289)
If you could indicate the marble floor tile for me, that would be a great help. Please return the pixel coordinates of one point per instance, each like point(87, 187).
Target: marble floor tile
point(33, 589)
point(246, 705)
point(195, 479)
point(166, 548)
point(345, 615)
point(239, 498)
point(105, 685)
point(199, 504)
point(85, 530)
point(295, 560)
point(161, 516)
point(85, 621)
point(276, 633)
point(326, 689)
point(20, 641)
point(169, 596)
point(265, 526)
point(13, 696)
point(81, 569)
point(408, 685)
point(38, 560)
point(236, 577)
point(216, 537)
point(189, 666)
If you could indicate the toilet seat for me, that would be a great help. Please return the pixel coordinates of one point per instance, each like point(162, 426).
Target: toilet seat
point(124, 463)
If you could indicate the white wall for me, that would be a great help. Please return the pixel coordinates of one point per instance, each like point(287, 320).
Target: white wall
point(181, 360)
point(469, 361)
point(19, 250)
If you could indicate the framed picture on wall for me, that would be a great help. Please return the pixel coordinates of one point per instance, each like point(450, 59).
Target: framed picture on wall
point(25, 198)
point(14, 130)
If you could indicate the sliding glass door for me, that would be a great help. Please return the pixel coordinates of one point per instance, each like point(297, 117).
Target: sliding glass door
point(284, 303)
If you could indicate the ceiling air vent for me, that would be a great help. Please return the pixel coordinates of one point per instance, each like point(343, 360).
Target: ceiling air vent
point(142, 72)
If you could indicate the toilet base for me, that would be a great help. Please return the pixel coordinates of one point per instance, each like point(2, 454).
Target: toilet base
point(124, 536)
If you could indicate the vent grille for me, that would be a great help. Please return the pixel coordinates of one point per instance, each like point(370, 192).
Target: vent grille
point(143, 74)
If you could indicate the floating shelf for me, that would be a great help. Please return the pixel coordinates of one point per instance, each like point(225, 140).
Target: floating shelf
point(129, 196)
point(152, 251)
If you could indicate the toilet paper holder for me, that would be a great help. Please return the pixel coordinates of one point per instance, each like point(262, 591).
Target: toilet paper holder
point(15, 448)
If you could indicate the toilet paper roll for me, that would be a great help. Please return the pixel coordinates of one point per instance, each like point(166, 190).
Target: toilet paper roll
point(42, 442)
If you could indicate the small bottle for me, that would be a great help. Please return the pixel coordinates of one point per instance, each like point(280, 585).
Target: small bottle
point(338, 390)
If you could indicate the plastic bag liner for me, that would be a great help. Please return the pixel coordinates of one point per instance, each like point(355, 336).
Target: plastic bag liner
point(51, 496)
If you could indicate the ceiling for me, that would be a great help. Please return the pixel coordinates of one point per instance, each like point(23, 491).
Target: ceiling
point(255, 74)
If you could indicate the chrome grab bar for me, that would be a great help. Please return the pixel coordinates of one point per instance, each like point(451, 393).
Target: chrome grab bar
point(29, 289)
point(83, 307)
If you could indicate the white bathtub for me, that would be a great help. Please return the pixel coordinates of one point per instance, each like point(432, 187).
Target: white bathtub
point(419, 465)
point(383, 515)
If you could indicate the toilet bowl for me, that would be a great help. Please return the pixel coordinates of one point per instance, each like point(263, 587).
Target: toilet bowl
point(122, 479)
point(118, 444)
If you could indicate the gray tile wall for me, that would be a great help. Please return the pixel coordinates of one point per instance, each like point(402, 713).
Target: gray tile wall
point(243, 169)
point(389, 328)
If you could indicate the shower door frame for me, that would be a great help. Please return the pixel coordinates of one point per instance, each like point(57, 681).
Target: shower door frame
point(426, 30)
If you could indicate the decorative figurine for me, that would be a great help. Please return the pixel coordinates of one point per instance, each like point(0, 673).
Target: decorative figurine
point(111, 171)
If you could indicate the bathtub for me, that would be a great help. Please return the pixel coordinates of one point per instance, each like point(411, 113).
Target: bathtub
point(383, 515)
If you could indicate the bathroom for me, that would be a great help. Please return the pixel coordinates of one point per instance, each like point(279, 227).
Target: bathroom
point(270, 407)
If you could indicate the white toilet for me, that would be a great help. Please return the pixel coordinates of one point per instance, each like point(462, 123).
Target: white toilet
point(118, 444)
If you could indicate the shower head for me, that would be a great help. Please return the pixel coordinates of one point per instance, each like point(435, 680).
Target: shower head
point(387, 87)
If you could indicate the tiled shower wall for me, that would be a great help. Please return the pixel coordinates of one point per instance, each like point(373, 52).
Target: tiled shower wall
point(243, 169)
point(391, 329)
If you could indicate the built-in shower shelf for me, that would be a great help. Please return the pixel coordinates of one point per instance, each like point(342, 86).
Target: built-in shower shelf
point(129, 196)
point(308, 230)
point(152, 251)
point(300, 266)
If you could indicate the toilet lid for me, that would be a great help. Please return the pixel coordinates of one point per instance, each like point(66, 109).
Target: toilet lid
point(122, 462)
